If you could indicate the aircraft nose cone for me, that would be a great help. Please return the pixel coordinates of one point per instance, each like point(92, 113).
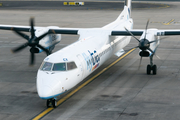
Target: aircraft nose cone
point(45, 92)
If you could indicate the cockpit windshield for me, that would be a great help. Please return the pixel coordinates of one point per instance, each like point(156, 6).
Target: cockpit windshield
point(47, 66)
point(59, 67)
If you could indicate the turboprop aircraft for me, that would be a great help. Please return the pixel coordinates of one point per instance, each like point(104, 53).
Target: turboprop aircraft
point(64, 69)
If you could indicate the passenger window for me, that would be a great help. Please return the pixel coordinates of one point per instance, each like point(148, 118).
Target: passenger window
point(59, 67)
point(71, 65)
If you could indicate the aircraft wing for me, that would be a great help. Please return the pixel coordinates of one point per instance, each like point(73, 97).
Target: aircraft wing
point(167, 32)
point(18, 28)
point(125, 33)
point(73, 31)
point(64, 31)
point(138, 32)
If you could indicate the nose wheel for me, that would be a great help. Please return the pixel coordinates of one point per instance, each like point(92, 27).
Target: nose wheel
point(51, 103)
point(151, 67)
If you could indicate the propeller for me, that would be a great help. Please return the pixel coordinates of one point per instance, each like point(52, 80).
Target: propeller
point(32, 41)
point(144, 43)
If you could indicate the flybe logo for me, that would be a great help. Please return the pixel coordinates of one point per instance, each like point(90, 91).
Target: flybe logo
point(92, 60)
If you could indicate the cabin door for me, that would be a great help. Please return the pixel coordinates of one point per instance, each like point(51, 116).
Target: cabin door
point(81, 64)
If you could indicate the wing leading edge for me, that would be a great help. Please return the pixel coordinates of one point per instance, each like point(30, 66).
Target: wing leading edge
point(125, 33)
point(70, 31)
point(140, 32)
point(63, 31)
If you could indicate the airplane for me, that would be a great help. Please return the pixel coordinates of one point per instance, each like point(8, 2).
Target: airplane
point(65, 68)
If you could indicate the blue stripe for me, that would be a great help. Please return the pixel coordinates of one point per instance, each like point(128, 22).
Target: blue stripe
point(52, 96)
point(40, 50)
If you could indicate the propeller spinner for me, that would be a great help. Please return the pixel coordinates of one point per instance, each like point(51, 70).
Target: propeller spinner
point(32, 42)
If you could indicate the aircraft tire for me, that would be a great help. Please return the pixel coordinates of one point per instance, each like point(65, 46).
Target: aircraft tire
point(148, 69)
point(48, 102)
point(154, 68)
point(54, 103)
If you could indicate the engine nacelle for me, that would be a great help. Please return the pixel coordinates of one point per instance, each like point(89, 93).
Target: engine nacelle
point(144, 53)
point(49, 41)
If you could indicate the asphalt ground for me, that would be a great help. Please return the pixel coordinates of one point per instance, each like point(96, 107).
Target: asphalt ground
point(59, 5)
point(121, 93)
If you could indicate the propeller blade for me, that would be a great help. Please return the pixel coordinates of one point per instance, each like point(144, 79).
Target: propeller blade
point(22, 35)
point(146, 28)
point(140, 63)
point(32, 27)
point(153, 41)
point(32, 57)
point(42, 36)
point(20, 48)
point(44, 49)
point(131, 34)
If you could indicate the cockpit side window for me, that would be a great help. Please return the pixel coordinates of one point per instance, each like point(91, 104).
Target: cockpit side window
point(71, 65)
point(47, 66)
point(59, 67)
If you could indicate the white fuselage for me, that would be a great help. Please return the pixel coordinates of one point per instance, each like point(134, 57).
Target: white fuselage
point(92, 49)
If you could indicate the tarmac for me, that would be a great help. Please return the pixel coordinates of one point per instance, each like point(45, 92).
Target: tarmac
point(122, 92)
point(87, 5)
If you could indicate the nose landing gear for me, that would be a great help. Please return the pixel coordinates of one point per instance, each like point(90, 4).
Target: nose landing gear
point(151, 67)
point(51, 103)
